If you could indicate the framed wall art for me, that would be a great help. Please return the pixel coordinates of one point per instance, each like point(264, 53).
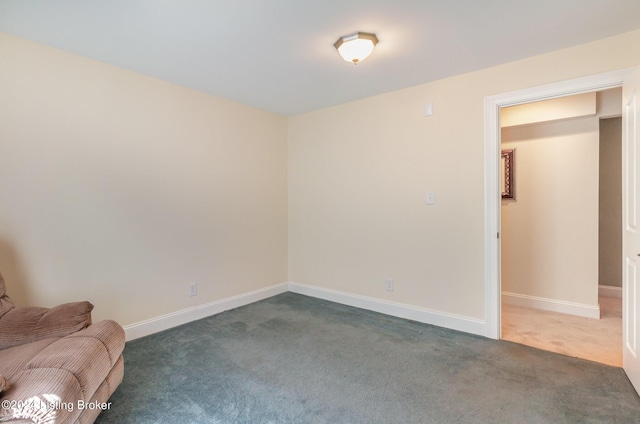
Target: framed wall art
point(507, 175)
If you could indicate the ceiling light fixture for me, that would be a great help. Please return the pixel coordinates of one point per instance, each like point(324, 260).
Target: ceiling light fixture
point(356, 47)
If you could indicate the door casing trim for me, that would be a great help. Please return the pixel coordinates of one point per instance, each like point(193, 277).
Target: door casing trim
point(492, 194)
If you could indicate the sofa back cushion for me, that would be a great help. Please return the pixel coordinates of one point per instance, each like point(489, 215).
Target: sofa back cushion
point(25, 325)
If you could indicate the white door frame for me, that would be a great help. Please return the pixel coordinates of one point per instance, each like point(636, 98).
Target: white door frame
point(492, 194)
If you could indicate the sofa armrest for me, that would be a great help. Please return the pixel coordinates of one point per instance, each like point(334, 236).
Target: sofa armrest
point(25, 325)
point(70, 370)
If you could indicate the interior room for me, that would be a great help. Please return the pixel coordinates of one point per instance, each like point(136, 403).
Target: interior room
point(215, 177)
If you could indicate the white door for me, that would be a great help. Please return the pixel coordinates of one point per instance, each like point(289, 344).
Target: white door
point(631, 230)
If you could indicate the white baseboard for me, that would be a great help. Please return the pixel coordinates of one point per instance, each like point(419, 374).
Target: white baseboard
point(164, 322)
point(427, 316)
point(571, 308)
point(441, 319)
point(610, 291)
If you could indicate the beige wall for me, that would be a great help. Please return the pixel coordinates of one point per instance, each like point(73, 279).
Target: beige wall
point(550, 230)
point(358, 174)
point(123, 189)
point(610, 234)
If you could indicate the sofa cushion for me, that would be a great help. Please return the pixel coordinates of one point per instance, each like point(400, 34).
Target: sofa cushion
point(14, 359)
point(25, 325)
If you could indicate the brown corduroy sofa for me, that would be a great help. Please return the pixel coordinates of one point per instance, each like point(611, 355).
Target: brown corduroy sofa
point(55, 366)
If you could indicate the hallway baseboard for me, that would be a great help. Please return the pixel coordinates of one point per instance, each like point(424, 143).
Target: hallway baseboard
point(553, 305)
point(610, 291)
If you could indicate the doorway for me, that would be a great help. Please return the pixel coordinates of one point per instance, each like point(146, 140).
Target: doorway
point(493, 104)
point(629, 80)
point(565, 198)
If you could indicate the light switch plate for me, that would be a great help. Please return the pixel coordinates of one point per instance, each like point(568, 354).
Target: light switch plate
point(428, 109)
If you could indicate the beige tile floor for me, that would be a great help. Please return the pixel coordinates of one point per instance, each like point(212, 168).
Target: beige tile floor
point(598, 340)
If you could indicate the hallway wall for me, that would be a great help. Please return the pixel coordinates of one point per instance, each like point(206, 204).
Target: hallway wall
point(610, 216)
point(550, 230)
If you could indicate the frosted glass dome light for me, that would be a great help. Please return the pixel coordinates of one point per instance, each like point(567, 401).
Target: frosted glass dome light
point(356, 47)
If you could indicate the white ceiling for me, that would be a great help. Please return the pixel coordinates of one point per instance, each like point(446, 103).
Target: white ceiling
point(278, 55)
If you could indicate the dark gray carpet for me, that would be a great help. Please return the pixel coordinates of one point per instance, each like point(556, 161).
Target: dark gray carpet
point(295, 359)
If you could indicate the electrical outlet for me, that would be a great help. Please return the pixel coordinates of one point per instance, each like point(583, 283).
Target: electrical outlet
point(388, 284)
point(193, 290)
